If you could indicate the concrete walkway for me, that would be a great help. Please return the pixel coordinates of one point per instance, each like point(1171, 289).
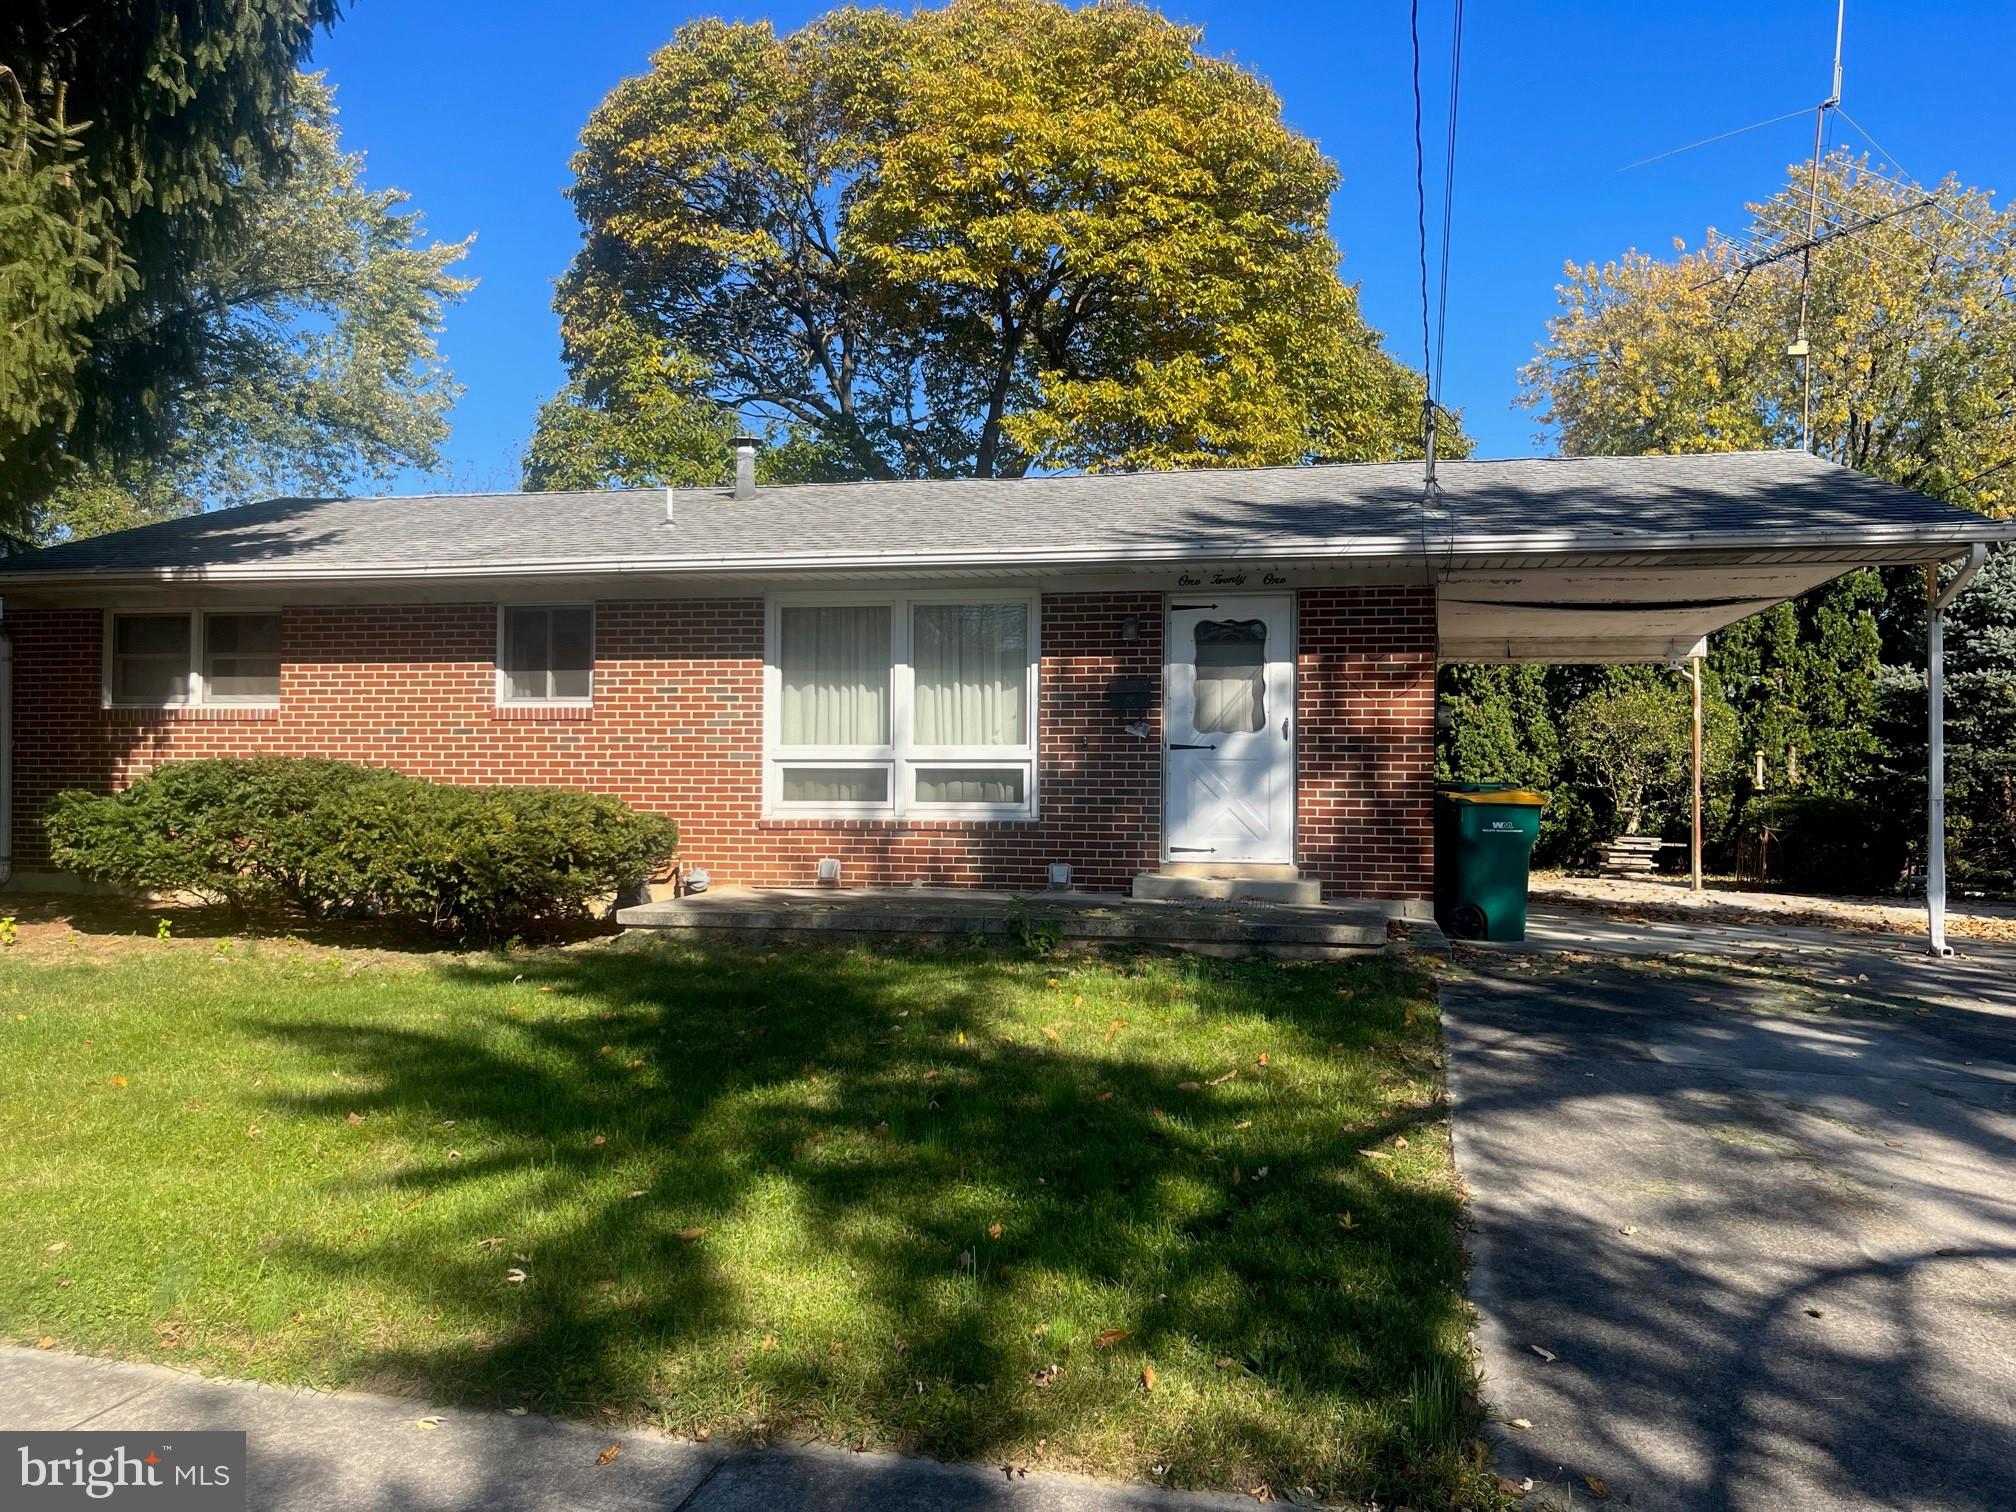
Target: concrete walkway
point(347, 1452)
point(1754, 1192)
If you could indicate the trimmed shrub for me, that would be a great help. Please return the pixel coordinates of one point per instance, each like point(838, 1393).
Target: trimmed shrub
point(319, 836)
point(1820, 844)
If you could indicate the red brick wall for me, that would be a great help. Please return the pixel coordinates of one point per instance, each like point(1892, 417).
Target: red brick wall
point(1365, 684)
point(677, 726)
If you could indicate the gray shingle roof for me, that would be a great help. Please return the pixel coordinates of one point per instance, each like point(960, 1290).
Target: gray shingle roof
point(1595, 503)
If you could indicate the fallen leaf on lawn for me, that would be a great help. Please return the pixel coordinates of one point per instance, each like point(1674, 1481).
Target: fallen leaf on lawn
point(993, 1231)
point(931, 1075)
point(1261, 1174)
point(516, 1411)
point(1105, 1097)
point(118, 1081)
point(1598, 1487)
point(1078, 1001)
point(491, 1243)
point(1045, 1376)
point(546, 989)
point(45, 1342)
point(1244, 1123)
point(608, 1454)
point(1344, 1220)
point(689, 1235)
point(354, 1119)
point(1219, 1081)
point(1546, 1354)
point(1522, 1422)
point(1147, 1377)
point(638, 1192)
point(1261, 1059)
point(703, 1434)
point(769, 1343)
point(1375, 1154)
point(1189, 1086)
point(1115, 1027)
point(57, 1248)
point(1400, 1141)
point(515, 1276)
point(1050, 1033)
point(960, 1037)
point(1108, 1337)
point(1052, 982)
point(882, 1131)
point(427, 1424)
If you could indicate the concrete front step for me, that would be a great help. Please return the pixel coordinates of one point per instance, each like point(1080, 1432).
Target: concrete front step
point(1291, 930)
point(1161, 887)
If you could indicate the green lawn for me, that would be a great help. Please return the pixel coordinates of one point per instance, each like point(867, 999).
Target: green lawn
point(1160, 1218)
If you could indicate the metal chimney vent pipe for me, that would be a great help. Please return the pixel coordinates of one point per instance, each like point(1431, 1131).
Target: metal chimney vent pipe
point(744, 447)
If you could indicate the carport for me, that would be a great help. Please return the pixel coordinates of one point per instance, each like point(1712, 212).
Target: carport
point(1642, 558)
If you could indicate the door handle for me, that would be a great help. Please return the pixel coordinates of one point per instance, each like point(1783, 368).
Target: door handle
point(1177, 745)
point(1284, 729)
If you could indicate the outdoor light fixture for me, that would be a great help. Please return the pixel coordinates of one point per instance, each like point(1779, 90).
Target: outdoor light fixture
point(1130, 627)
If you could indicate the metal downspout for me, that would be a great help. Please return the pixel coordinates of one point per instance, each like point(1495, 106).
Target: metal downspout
point(1935, 744)
point(6, 752)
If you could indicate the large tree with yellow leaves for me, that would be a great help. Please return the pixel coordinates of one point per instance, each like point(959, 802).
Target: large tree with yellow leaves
point(1003, 235)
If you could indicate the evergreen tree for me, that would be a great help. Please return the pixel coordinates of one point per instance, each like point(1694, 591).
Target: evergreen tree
point(130, 131)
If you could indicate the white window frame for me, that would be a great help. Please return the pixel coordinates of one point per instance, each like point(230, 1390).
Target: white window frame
point(500, 682)
point(901, 757)
point(199, 696)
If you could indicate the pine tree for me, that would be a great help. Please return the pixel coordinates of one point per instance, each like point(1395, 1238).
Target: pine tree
point(129, 132)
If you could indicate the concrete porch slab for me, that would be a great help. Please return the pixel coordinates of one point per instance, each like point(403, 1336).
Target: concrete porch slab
point(1290, 930)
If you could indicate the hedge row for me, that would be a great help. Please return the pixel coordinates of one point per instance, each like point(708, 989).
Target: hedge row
point(325, 837)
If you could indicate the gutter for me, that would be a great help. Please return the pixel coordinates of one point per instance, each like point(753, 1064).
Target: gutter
point(1391, 548)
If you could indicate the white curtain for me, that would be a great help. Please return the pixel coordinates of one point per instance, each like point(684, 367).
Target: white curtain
point(971, 663)
point(1231, 682)
point(834, 667)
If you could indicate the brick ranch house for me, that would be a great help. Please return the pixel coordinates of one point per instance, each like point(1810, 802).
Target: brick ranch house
point(945, 683)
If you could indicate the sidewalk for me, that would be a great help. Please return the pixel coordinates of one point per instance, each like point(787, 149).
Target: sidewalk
point(311, 1451)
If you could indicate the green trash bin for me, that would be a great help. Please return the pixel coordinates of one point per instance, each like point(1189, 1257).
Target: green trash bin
point(1484, 834)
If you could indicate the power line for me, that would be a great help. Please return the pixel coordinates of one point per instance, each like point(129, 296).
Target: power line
point(1448, 202)
point(1421, 197)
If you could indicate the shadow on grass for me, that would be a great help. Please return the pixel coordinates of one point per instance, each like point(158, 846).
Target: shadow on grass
point(911, 1199)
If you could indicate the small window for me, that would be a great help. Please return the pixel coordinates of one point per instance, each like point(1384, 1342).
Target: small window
point(868, 785)
point(241, 658)
point(547, 655)
point(992, 787)
point(1231, 677)
point(150, 660)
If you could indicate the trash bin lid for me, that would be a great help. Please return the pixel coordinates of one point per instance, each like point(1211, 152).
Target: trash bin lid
point(1509, 797)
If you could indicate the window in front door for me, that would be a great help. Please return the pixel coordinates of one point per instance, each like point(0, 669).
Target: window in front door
point(1231, 659)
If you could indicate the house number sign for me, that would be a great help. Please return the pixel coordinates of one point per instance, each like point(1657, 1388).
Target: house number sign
point(1228, 579)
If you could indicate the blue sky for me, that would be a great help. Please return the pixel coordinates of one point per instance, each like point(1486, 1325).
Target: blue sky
point(475, 109)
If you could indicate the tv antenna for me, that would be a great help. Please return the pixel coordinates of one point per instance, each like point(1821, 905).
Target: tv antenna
point(1801, 347)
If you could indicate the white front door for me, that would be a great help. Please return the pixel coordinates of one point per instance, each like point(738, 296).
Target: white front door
point(1230, 727)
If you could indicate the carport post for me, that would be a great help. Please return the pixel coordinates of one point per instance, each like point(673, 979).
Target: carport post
point(1935, 742)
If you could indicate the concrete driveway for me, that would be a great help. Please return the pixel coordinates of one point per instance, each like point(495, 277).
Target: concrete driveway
point(1756, 1200)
